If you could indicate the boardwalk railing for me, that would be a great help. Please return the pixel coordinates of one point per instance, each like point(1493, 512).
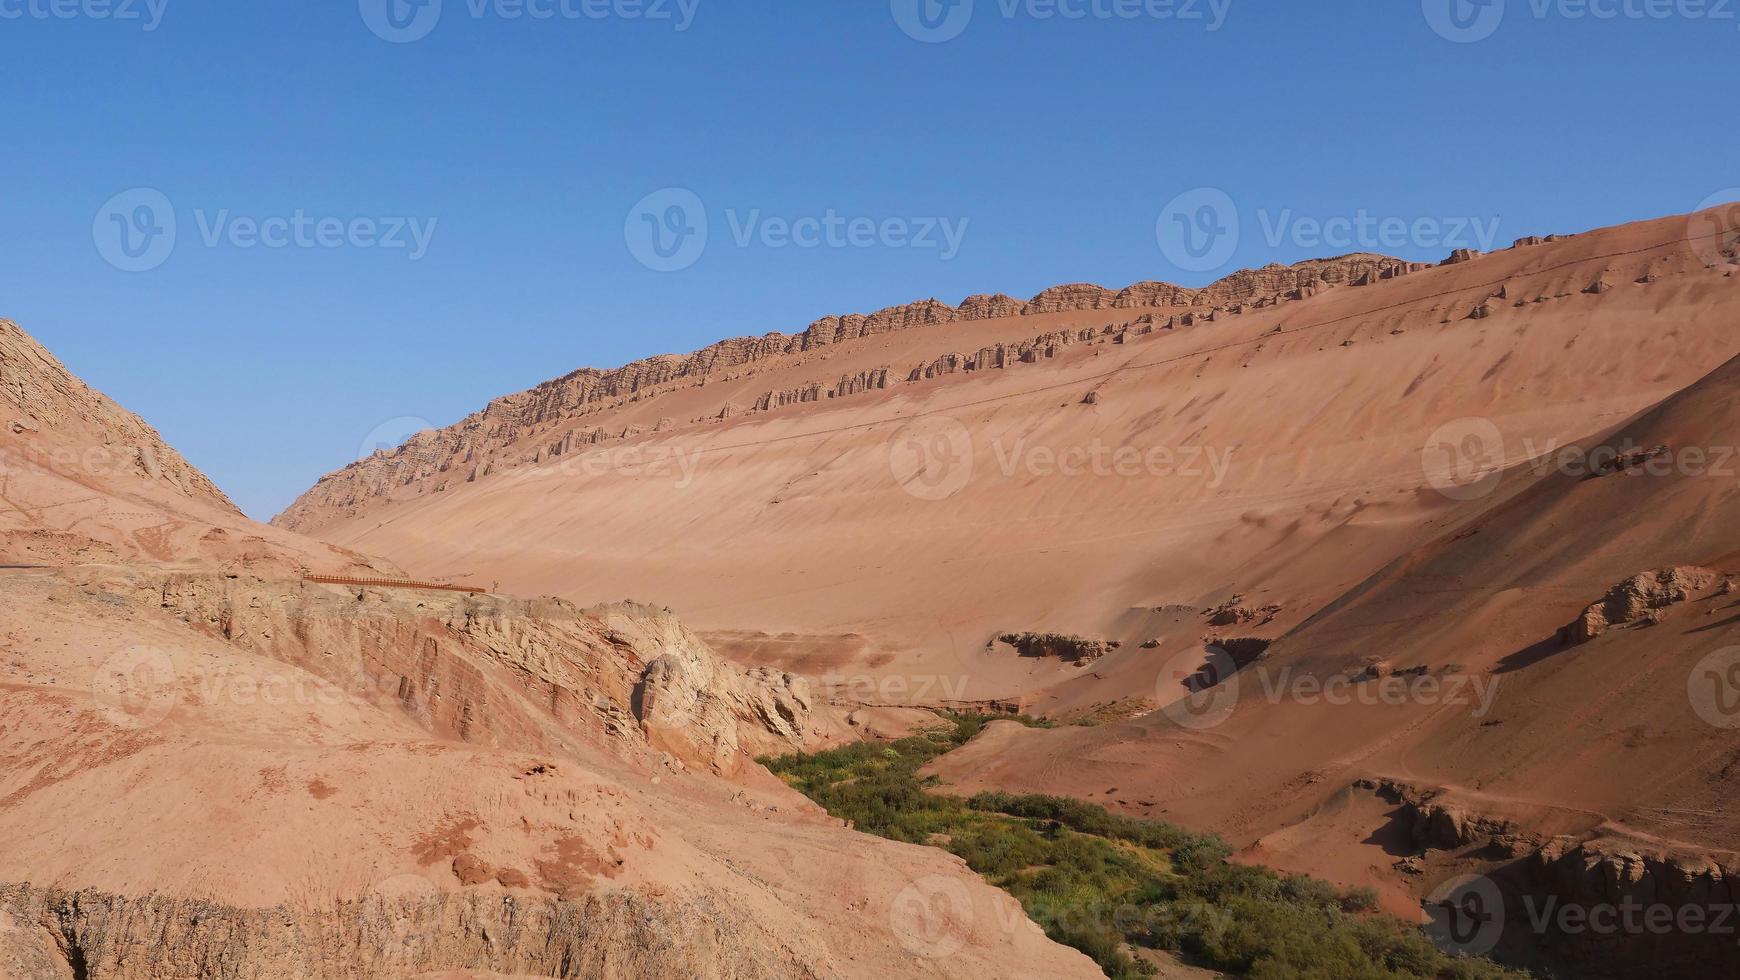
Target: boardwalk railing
point(391, 583)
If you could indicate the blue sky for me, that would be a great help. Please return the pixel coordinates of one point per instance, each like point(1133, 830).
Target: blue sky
point(457, 212)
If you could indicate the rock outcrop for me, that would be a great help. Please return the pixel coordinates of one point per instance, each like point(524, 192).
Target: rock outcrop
point(1272, 280)
point(1075, 296)
point(57, 934)
point(1078, 650)
point(515, 430)
point(1151, 293)
point(986, 306)
point(62, 424)
point(1637, 600)
point(703, 710)
point(629, 671)
point(1236, 612)
point(1591, 872)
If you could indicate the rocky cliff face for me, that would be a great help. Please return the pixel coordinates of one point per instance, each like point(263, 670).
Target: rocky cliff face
point(49, 934)
point(269, 778)
point(1637, 600)
point(709, 713)
point(501, 436)
point(216, 767)
point(1550, 889)
point(85, 480)
point(56, 422)
point(629, 673)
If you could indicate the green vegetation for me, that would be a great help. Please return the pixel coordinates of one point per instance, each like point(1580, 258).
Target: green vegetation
point(1102, 882)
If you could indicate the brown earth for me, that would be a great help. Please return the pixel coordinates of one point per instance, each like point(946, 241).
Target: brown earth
point(212, 766)
point(1367, 465)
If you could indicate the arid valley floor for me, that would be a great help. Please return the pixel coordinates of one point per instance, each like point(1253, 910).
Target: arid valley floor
point(1391, 574)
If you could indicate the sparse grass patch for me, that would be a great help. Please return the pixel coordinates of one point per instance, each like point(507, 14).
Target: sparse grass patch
point(1098, 880)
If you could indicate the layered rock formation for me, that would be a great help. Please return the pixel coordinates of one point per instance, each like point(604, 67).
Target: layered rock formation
point(85, 480)
point(217, 767)
point(61, 424)
point(518, 429)
point(1638, 600)
point(1078, 650)
point(51, 934)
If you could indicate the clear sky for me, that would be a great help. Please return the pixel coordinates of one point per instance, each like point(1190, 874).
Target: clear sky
point(484, 177)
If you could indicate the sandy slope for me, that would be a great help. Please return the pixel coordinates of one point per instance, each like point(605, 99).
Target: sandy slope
point(84, 480)
point(1607, 766)
point(212, 766)
point(1286, 465)
point(1328, 455)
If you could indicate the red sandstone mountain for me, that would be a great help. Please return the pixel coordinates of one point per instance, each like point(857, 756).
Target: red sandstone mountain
point(1359, 460)
point(214, 766)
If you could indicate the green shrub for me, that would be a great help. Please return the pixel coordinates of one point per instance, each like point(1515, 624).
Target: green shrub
point(1103, 882)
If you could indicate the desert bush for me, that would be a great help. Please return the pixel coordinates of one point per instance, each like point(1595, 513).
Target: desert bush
point(1104, 882)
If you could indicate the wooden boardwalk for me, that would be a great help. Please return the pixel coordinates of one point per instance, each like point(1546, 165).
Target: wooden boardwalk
point(392, 583)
